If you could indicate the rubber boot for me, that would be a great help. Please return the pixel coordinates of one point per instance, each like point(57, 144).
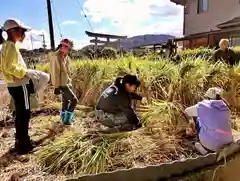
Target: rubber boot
point(69, 118)
point(62, 115)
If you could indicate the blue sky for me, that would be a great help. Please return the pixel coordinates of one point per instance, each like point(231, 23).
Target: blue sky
point(126, 17)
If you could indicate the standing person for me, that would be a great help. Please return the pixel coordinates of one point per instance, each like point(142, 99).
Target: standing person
point(224, 53)
point(114, 106)
point(17, 77)
point(60, 77)
point(212, 122)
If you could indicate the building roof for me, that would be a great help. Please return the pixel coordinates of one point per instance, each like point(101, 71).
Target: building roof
point(230, 23)
point(197, 35)
point(206, 34)
point(180, 2)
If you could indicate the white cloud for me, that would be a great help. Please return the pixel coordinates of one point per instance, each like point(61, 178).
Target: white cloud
point(37, 41)
point(69, 22)
point(78, 44)
point(132, 17)
point(103, 30)
point(34, 39)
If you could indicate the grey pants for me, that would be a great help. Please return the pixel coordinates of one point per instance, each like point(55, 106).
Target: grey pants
point(111, 120)
point(69, 99)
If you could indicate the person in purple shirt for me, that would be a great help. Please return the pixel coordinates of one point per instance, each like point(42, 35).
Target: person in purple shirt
point(211, 122)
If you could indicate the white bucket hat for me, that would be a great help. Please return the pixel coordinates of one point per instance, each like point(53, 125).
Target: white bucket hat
point(14, 23)
point(213, 92)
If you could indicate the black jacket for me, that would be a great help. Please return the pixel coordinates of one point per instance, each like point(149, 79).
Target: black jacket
point(228, 56)
point(116, 100)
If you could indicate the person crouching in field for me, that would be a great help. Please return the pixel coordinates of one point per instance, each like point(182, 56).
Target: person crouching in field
point(212, 122)
point(224, 53)
point(19, 81)
point(60, 72)
point(114, 106)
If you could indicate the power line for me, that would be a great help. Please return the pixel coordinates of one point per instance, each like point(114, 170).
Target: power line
point(85, 16)
point(58, 25)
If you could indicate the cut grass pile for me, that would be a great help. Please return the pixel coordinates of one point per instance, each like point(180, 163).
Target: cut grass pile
point(169, 88)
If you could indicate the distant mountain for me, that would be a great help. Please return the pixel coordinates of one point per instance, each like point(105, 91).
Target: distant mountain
point(141, 40)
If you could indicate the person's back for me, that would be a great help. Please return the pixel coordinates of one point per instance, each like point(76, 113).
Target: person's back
point(214, 119)
point(109, 100)
point(114, 105)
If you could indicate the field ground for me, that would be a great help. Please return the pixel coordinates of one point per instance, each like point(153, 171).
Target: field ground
point(44, 128)
point(66, 152)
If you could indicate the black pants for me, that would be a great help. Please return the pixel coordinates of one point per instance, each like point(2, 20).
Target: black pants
point(21, 96)
point(69, 99)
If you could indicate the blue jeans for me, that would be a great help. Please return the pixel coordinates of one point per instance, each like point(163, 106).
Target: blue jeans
point(198, 128)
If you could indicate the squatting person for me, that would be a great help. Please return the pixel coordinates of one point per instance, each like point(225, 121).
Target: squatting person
point(212, 122)
point(114, 106)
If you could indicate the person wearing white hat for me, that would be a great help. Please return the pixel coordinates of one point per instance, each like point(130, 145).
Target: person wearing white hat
point(212, 122)
point(18, 79)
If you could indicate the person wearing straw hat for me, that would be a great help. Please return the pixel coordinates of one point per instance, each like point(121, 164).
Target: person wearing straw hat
point(212, 122)
point(19, 81)
point(60, 78)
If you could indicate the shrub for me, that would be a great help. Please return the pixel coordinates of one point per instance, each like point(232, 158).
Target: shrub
point(109, 53)
point(201, 52)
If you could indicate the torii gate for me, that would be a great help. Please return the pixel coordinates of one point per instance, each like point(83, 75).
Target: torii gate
point(96, 41)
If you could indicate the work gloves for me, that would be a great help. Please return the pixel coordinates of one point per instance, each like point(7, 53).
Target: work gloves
point(32, 74)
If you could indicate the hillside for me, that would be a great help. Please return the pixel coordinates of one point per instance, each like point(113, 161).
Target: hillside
point(143, 40)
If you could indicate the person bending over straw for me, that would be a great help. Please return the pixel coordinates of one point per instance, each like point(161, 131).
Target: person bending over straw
point(19, 81)
point(212, 122)
point(114, 106)
point(60, 71)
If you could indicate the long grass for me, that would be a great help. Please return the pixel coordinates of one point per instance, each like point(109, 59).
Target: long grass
point(169, 88)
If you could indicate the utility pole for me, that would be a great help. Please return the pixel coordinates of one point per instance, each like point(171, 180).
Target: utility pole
point(31, 41)
point(44, 42)
point(50, 22)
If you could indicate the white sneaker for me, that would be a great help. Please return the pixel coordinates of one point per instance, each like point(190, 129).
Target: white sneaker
point(200, 148)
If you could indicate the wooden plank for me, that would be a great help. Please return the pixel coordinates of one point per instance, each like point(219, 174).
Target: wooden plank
point(101, 35)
